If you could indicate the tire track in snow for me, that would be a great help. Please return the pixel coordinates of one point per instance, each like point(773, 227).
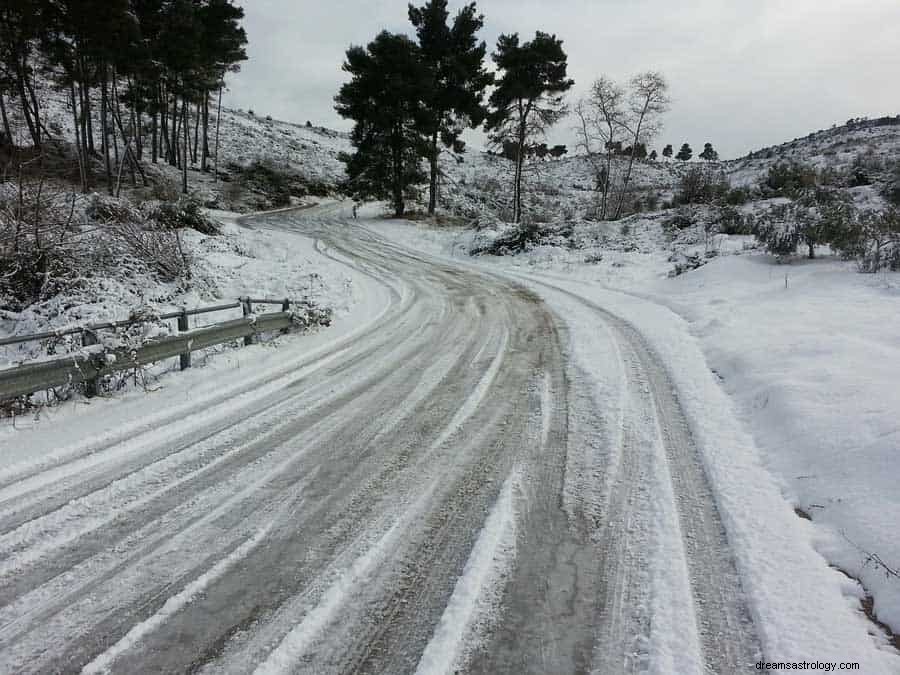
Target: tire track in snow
point(723, 624)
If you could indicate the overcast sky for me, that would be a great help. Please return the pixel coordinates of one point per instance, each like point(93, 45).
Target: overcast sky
point(743, 73)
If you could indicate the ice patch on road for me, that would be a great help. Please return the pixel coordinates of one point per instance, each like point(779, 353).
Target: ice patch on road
point(478, 591)
point(103, 663)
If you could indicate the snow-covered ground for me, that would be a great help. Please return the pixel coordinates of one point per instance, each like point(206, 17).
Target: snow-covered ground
point(240, 262)
point(810, 420)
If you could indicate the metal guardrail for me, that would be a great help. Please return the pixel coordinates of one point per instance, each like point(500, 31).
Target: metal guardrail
point(88, 366)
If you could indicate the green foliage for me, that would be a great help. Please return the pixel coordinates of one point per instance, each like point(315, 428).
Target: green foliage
point(874, 240)
point(456, 79)
point(274, 183)
point(709, 154)
point(186, 213)
point(680, 220)
point(528, 97)
point(817, 218)
point(667, 151)
point(685, 153)
point(383, 98)
point(699, 185)
point(891, 191)
point(732, 222)
point(788, 179)
point(737, 196)
point(515, 239)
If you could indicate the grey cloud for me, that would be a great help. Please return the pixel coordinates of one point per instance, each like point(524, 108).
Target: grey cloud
point(743, 74)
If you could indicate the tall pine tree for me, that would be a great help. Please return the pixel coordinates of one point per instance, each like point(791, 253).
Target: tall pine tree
point(456, 79)
point(528, 97)
point(383, 99)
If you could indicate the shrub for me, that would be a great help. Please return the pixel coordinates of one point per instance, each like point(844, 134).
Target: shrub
point(701, 186)
point(891, 191)
point(680, 220)
point(513, 240)
point(186, 213)
point(731, 221)
point(820, 217)
point(788, 179)
point(737, 196)
point(875, 240)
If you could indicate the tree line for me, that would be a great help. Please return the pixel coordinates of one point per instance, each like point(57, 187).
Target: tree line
point(411, 98)
point(145, 69)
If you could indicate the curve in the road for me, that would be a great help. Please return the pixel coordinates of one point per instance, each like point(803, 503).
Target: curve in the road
point(435, 493)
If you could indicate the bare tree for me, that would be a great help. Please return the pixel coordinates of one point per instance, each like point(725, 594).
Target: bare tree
point(612, 115)
point(648, 101)
point(602, 123)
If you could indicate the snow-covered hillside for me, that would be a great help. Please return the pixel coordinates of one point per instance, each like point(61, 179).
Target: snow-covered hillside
point(807, 351)
point(99, 277)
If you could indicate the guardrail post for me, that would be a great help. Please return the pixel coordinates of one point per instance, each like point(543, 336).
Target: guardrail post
point(247, 307)
point(88, 338)
point(184, 359)
point(286, 307)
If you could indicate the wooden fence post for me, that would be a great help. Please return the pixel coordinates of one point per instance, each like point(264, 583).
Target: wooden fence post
point(88, 338)
point(248, 310)
point(286, 307)
point(184, 359)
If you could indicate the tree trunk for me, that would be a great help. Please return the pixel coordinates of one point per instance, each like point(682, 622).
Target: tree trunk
point(218, 125)
point(175, 121)
point(86, 111)
point(7, 132)
point(184, 152)
point(204, 150)
point(83, 121)
point(154, 148)
point(196, 136)
point(33, 129)
point(397, 151)
point(432, 185)
point(520, 161)
point(35, 107)
point(812, 250)
point(78, 149)
point(164, 149)
point(104, 130)
point(627, 179)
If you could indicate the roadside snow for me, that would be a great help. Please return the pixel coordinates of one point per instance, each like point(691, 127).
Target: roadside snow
point(811, 417)
point(263, 262)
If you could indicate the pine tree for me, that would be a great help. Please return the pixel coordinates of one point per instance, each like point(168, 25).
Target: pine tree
point(667, 151)
point(685, 153)
point(709, 154)
point(527, 99)
point(383, 99)
point(456, 79)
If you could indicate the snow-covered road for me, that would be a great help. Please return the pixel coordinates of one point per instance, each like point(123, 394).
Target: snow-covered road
point(450, 483)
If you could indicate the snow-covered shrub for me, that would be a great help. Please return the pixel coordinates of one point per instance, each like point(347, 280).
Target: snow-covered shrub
point(788, 179)
point(699, 185)
point(513, 239)
point(186, 213)
point(819, 217)
point(891, 191)
point(875, 240)
point(165, 189)
point(148, 235)
point(731, 221)
point(683, 218)
point(38, 257)
point(157, 247)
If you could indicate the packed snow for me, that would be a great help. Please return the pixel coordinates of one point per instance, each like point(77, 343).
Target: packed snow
point(788, 373)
